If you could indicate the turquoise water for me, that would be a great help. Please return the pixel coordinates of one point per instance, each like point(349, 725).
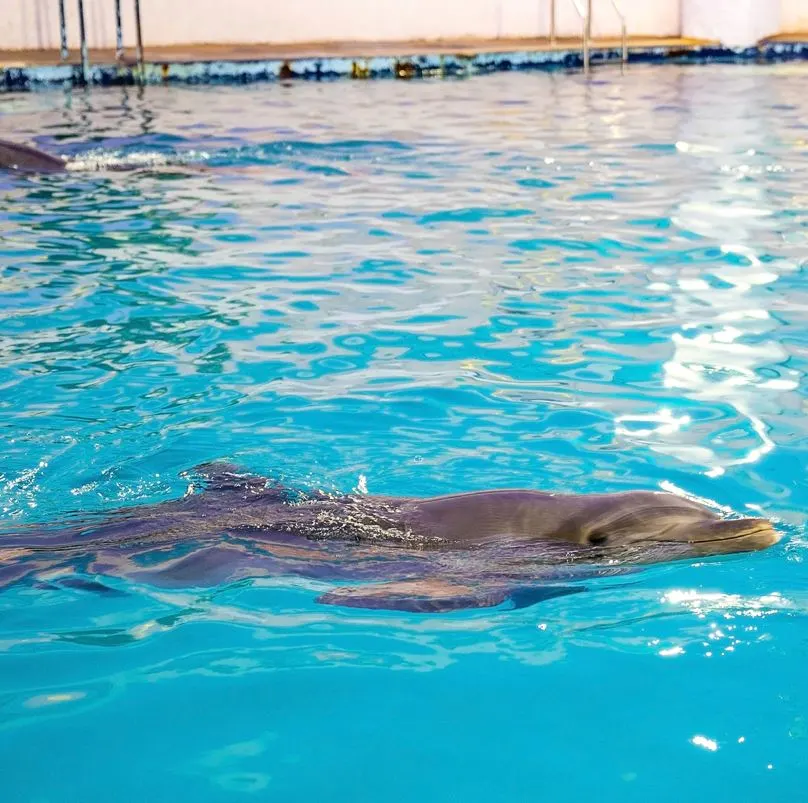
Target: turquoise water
point(519, 280)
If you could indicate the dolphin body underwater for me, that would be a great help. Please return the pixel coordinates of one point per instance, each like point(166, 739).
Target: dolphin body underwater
point(428, 555)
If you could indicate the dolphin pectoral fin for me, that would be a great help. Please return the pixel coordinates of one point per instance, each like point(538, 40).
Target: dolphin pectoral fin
point(60, 581)
point(525, 596)
point(438, 596)
point(89, 586)
point(415, 596)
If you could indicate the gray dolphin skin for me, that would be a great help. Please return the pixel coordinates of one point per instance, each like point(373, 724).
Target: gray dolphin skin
point(468, 550)
point(14, 156)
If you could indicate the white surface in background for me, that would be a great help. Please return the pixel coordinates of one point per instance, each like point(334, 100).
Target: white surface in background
point(735, 23)
point(35, 23)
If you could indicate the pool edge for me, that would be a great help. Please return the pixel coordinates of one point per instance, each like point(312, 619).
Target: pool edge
point(436, 62)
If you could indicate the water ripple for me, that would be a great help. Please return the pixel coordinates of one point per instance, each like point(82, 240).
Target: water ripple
point(518, 280)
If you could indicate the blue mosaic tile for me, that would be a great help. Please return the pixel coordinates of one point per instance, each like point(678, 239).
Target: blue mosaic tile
point(422, 65)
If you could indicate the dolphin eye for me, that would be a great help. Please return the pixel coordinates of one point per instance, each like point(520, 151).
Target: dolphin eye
point(597, 538)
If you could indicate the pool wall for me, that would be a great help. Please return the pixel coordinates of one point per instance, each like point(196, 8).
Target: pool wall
point(199, 41)
point(35, 25)
point(249, 21)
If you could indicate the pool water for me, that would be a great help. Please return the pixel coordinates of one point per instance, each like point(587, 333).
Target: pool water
point(525, 280)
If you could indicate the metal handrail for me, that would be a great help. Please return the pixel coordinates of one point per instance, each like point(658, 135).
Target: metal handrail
point(85, 57)
point(62, 31)
point(118, 32)
point(586, 35)
point(586, 23)
point(119, 49)
point(139, 35)
point(552, 23)
point(623, 38)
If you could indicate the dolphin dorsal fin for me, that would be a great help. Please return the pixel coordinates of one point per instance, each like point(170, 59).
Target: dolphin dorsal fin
point(220, 475)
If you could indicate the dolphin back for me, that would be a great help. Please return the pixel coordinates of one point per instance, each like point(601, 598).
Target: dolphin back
point(14, 156)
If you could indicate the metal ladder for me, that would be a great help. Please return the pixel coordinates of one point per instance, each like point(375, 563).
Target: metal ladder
point(585, 16)
point(119, 49)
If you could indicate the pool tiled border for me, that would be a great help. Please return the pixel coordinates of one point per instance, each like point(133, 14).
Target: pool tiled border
point(34, 76)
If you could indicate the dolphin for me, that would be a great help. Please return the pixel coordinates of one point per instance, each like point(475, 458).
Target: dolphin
point(430, 555)
point(18, 158)
point(24, 158)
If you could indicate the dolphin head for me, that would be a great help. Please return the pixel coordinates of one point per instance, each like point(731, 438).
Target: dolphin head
point(659, 526)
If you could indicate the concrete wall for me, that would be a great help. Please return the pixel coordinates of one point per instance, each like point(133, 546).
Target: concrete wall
point(732, 22)
point(794, 16)
point(35, 24)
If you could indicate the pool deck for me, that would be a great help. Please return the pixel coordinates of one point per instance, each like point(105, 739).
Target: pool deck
point(179, 54)
point(205, 63)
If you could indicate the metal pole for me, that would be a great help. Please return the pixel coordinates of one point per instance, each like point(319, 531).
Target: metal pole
point(118, 32)
point(85, 59)
point(552, 23)
point(62, 30)
point(139, 39)
point(586, 48)
point(625, 41)
point(587, 33)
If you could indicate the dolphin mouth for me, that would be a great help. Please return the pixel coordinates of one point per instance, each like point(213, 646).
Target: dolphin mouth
point(758, 534)
point(757, 529)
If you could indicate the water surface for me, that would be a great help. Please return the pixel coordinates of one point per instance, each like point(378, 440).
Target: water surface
point(415, 288)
